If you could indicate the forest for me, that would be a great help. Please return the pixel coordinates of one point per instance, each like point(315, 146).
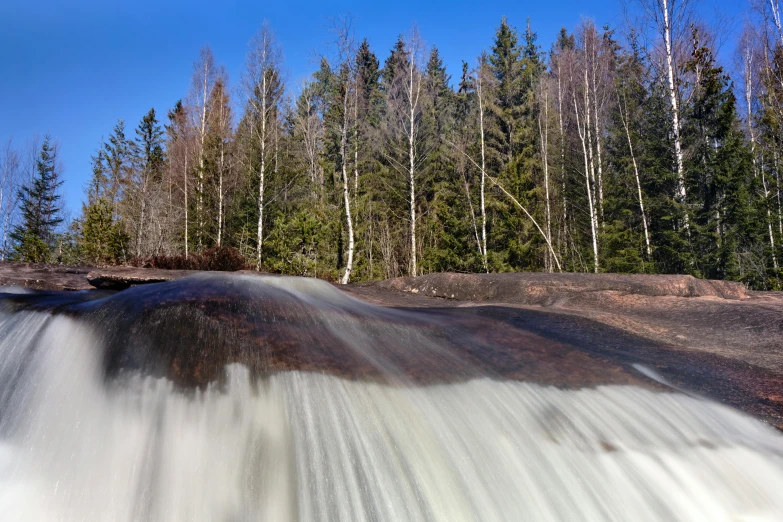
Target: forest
point(630, 150)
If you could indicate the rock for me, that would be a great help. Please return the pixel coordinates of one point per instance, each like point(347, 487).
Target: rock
point(44, 277)
point(565, 330)
point(120, 278)
point(540, 288)
point(712, 337)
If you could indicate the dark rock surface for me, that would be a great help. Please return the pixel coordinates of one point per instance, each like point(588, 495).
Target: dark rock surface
point(570, 330)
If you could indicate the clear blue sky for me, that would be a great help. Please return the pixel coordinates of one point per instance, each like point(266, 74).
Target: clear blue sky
point(73, 68)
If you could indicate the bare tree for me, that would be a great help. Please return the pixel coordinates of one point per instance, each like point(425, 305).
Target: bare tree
point(10, 178)
point(308, 127)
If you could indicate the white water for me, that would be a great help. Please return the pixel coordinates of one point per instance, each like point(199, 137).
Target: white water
point(304, 446)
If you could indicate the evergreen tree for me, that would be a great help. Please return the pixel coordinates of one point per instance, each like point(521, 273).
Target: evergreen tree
point(118, 155)
point(102, 241)
point(718, 172)
point(149, 145)
point(34, 238)
point(626, 232)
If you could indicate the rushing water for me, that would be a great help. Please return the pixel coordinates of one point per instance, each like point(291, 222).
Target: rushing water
point(78, 443)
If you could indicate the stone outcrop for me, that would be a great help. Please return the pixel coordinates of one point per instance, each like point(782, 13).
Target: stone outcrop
point(571, 330)
point(542, 288)
point(120, 278)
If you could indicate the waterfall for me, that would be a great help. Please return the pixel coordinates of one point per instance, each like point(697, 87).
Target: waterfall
point(91, 430)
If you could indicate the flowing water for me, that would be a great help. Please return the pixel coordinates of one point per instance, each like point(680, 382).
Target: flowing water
point(83, 438)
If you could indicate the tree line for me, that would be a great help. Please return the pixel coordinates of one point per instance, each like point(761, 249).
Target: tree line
point(633, 154)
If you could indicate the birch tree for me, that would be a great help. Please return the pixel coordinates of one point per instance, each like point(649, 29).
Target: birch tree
point(205, 74)
point(482, 77)
point(668, 19)
point(346, 99)
point(578, 79)
point(629, 85)
point(263, 88)
point(405, 137)
point(222, 148)
point(543, 130)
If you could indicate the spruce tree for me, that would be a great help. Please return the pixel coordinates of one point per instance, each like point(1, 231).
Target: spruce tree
point(118, 154)
point(34, 238)
point(718, 171)
point(149, 145)
point(626, 230)
point(505, 61)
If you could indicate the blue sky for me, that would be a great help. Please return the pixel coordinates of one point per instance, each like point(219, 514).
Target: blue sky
point(72, 69)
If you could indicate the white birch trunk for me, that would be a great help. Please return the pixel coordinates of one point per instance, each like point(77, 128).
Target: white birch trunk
point(201, 159)
point(562, 147)
point(667, 36)
point(356, 143)
point(483, 244)
point(751, 132)
point(186, 202)
point(473, 217)
point(624, 117)
point(544, 133)
point(260, 231)
point(589, 142)
point(777, 185)
point(413, 102)
point(582, 137)
point(346, 183)
point(597, 127)
point(220, 194)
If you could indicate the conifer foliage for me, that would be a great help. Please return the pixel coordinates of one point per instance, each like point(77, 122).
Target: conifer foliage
point(39, 201)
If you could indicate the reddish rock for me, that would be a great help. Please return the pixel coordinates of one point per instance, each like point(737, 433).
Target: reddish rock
point(44, 277)
point(120, 278)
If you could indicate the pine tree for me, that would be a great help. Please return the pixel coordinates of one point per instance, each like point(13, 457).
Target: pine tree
point(39, 201)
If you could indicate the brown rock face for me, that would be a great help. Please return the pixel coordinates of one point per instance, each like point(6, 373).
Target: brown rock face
point(711, 337)
point(568, 330)
point(44, 277)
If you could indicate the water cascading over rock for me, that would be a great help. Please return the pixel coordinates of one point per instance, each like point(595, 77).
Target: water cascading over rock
point(236, 398)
